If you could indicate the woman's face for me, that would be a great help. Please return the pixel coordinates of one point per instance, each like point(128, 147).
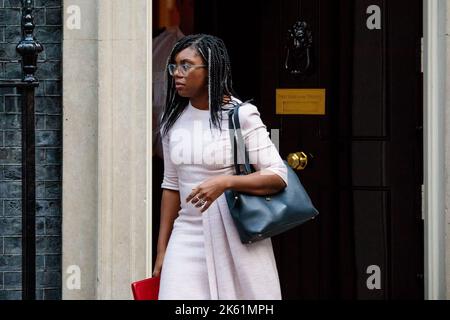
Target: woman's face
point(195, 82)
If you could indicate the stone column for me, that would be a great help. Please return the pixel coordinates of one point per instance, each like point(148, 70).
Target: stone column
point(435, 67)
point(107, 147)
point(447, 145)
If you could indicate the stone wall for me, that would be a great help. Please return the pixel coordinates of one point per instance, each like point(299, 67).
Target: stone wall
point(48, 20)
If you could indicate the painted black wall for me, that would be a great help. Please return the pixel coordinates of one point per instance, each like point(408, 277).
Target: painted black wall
point(48, 20)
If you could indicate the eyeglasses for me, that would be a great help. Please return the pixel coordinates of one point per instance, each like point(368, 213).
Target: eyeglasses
point(183, 69)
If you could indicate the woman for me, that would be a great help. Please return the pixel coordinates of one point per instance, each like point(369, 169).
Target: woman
point(199, 253)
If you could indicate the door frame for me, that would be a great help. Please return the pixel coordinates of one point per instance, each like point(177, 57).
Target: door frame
point(434, 61)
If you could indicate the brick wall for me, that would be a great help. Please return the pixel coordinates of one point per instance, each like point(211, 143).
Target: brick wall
point(48, 20)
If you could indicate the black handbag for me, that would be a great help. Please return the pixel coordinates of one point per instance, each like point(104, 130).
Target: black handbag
point(260, 217)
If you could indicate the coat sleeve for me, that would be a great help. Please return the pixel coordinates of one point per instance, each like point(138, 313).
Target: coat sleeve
point(170, 179)
point(263, 154)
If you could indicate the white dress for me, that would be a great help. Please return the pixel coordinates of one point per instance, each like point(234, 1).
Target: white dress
point(204, 258)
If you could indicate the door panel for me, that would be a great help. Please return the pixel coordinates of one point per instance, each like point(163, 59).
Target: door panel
point(369, 109)
point(366, 170)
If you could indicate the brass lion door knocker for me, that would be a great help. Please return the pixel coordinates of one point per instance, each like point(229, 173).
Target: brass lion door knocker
point(299, 45)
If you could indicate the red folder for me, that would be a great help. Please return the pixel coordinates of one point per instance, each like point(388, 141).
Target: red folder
point(146, 289)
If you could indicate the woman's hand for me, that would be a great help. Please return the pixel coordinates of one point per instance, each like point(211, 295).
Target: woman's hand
point(158, 264)
point(208, 191)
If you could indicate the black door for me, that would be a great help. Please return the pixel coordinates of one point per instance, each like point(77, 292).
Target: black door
point(364, 172)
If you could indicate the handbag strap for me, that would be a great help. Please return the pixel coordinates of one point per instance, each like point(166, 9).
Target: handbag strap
point(237, 141)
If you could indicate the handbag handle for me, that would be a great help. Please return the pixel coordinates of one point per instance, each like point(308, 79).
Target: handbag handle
point(237, 140)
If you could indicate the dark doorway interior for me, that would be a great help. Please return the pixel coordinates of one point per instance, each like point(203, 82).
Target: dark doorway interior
point(365, 176)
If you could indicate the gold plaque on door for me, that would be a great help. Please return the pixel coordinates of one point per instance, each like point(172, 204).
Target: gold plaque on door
point(300, 101)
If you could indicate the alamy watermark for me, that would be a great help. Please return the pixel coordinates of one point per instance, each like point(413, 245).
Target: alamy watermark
point(73, 281)
point(73, 21)
point(199, 146)
point(373, 282)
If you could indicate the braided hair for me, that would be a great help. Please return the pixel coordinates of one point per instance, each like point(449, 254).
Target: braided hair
point(214, 54)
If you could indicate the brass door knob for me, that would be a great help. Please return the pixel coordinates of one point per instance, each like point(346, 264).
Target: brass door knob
point(298, 160)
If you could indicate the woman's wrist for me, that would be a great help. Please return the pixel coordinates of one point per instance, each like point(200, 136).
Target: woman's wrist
point(229, 182)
